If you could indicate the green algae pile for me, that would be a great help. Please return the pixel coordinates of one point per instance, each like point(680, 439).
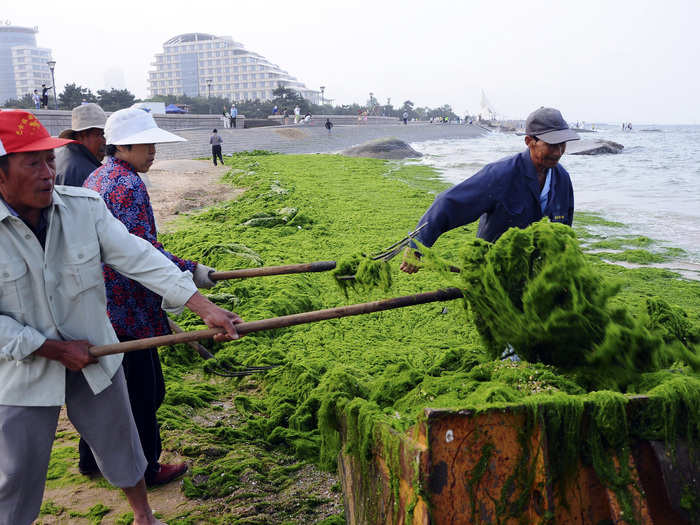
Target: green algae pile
point(535, 292)
point(380, 370)
point(252, 437)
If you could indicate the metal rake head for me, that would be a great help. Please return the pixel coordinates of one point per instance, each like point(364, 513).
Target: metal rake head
point(396, 248)
point(390, 252)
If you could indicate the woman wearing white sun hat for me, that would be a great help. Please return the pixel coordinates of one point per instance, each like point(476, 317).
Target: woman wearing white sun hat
point(135, 312)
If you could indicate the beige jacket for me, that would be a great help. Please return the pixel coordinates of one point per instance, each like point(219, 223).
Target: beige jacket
point(58, 292)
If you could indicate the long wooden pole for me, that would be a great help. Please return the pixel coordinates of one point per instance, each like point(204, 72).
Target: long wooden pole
point(206, 354)
point(319, 266)
point(447, 294)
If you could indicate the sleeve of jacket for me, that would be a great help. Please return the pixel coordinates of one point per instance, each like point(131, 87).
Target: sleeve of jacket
point(459, 205)
point(131, 205)
point(17, 341)
point(137, 259)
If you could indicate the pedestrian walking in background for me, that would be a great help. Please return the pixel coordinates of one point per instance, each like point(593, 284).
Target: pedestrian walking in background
point(226, 118)
point(297, 114)
point(285, 116)
point(216, 141)
point(37, 99)
point(233, 113)
point(405, 117)
point(328, 125)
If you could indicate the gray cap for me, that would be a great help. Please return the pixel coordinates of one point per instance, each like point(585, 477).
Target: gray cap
point(88, 116)
point(549, 126)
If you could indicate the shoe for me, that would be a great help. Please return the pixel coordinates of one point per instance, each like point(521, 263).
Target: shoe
point(167, 473)
point(88, 471)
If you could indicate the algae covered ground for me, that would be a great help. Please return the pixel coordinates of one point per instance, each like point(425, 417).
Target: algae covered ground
point(251, 439)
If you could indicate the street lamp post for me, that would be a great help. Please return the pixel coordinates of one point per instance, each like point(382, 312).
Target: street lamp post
point(209, 93)
point(323, 88)
point(52, 66)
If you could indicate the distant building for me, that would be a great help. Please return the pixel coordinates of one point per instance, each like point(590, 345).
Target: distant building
point(189, 60)
point(23, 65)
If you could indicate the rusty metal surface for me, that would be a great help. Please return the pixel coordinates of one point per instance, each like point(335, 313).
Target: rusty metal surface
point(473, 468)
point(384, 490)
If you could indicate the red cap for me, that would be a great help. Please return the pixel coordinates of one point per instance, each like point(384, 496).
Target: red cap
point(21, 131)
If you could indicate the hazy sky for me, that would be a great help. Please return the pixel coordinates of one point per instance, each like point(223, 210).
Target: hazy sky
point(596, 60)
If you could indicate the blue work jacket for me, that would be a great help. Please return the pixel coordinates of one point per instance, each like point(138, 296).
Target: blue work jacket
point(504, 194)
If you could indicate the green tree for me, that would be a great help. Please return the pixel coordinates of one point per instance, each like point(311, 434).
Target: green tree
point(73, 95)
point(115, 99)
point(26, 102)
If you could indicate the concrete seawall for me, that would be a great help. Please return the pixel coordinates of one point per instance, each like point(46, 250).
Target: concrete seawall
point(56, 121)
point(309, 139)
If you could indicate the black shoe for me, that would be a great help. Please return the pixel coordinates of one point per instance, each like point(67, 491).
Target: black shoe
point(88, 471)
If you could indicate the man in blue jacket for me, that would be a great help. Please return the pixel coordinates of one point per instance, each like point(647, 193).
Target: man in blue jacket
point(512, 192)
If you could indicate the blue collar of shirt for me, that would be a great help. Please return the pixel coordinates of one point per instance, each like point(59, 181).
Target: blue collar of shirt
point(544, 194)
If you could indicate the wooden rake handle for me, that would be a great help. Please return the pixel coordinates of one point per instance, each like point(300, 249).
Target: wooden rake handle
point(319, 266)
point(447, 294)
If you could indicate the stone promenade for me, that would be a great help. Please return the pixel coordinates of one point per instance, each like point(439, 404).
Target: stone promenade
point(308, 139)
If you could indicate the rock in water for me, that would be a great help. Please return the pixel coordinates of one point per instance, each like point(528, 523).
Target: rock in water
point(390, 148)
point(593, 147)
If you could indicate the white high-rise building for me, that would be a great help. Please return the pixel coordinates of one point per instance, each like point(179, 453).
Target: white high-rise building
point(199, 64)
point(23, 65)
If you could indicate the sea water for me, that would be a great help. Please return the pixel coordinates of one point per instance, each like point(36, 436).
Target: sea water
point(652, 186)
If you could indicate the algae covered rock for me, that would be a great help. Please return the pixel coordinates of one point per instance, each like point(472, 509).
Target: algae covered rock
point(389, 148)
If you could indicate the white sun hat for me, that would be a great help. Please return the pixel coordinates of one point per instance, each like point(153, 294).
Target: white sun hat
point(135, 126)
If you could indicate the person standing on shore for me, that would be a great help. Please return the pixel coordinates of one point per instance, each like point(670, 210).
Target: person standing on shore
point(234, 115)
point(135, 311)
point(512, 192)
point(216, 141)
point(52, 310)
point(78, 160)
point(328, 125)
point(404, 117)
point(297, 114)
point(45, 96)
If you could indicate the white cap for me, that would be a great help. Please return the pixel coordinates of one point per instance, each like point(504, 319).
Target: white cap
point(135, 126)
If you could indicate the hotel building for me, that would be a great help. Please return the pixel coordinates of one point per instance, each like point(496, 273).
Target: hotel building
point(199, 64)
point(23, 65)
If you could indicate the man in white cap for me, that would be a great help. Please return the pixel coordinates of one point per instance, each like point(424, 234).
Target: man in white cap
point(53, 240)
point(136, 311)
point(512, 192)
point(78, 160)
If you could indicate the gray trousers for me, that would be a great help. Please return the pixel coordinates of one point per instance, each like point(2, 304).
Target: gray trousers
point(27, 434)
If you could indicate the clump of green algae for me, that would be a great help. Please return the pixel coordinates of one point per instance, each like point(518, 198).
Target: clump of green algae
point(360, 272)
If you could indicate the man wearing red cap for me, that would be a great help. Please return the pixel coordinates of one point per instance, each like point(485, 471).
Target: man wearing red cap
point(52, 309)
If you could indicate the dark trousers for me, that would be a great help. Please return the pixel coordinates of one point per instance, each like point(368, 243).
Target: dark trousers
point(216, 152)
point(146, 386)
point(232, 122)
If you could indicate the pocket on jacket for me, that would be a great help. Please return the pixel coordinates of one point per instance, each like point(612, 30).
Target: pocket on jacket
point(514, 207)
point(12, 273)
point(84, 268)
